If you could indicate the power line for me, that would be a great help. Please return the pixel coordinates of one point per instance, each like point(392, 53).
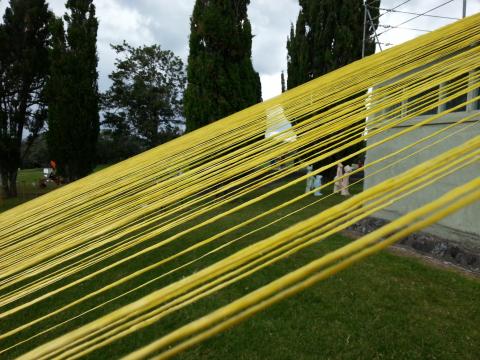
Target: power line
point(386, 44)
point(417, 16)
point(392, 9)
point(368, 17)
point(413, 13)
point(403, 28)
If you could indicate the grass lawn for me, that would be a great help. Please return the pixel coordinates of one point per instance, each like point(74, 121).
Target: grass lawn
point(28, 187)
point(387, 307)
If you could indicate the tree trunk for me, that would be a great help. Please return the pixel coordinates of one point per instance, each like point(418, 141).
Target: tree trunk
point(9, 183)
point(12, 182)
point(4, 183)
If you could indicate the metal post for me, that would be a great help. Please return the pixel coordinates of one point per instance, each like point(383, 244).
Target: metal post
point(464, 13)
point(364, 27)
point(374, 30)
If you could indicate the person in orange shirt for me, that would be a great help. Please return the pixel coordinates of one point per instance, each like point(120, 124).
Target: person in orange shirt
point(53, 174)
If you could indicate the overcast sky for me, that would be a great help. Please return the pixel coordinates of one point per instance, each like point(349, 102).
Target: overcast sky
point(166, 22)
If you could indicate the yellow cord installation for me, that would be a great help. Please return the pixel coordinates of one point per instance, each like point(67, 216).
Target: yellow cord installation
point(99, 230)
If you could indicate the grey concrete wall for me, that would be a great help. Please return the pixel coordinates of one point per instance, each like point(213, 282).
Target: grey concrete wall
point(463, 226)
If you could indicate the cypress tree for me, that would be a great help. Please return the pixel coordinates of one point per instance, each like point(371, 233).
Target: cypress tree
point(73, 91)
point(282, 82)
point(328, 35)
point(221, 78)
point(59, 98)
point(298, 53)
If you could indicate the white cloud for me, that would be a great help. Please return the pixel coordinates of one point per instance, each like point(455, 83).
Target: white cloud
point(271, 85)
point(117, 22)
point(271, 26)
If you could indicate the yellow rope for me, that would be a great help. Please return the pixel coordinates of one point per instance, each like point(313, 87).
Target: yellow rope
point(412, 178)
point(181, 185)
point(255, 302)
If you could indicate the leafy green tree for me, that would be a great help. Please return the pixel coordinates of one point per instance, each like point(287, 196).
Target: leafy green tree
point(221, 78)
point(24, 40)
point(114, 146)
point(73, 91)
point(146, 95)
point(328, 35)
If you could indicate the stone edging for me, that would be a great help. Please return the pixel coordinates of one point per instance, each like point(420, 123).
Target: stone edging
point(443, 249)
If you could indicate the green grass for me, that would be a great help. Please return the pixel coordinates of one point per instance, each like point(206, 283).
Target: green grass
point(387, 307)
point(28, 187)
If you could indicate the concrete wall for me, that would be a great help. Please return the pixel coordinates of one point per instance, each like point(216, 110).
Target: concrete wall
point(463, 226)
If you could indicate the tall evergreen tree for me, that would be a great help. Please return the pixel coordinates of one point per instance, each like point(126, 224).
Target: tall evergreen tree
point(328, 35)
point(282, 82)
point(73, 91)
point(221, 78)
point(299, 62)
point(24, 38)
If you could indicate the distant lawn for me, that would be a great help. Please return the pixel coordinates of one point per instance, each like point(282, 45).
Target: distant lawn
point(387, 307)
point(28, 187)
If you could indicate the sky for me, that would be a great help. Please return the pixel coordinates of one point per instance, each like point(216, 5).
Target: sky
point(167, 23)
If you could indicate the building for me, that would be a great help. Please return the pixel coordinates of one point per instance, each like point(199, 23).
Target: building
point(462, 227)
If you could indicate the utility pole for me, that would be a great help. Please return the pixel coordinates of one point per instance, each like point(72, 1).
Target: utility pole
point(464, 13)
point(364, 26)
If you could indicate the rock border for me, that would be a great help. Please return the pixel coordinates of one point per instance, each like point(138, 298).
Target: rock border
point(425, 243)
